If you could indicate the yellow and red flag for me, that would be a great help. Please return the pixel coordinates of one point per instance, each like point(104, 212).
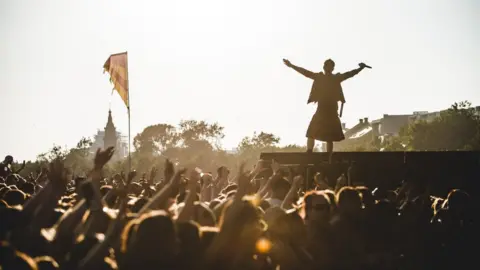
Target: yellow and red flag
point(117, 66)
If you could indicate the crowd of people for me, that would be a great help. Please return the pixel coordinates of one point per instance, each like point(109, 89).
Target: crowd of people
point(261, 218)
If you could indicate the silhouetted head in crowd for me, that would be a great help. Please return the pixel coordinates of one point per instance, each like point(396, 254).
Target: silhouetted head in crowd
point(248, 225)
point(117, 178)
point(57, 213)
point(102, 220)
point(136, 188)
point(3, 204)
point(105, 189)
point(229, 188)
point(214, 203)
point(14, 197)
point(349, 201)
point(296, 229)
point(28, 188)
point(271, 216)
point(83, 244)
point(280, 188)
point(230, 194)
point(189, 238)
point(206, 179)
point(328, 66)
point(333, 199)
point(264, 204)
point(3, 190)
point(367, 197)
point(11, 180)
point(150, 241)
point(223, 171)
point(386, 210)
point(139, 204)
point(11, 259)
point(207, 236)
point(391, 195)
point(183, 194)
point(457, 201)
point(201, 213)
point(8, 160)
point(316, 206)
point(46, 263)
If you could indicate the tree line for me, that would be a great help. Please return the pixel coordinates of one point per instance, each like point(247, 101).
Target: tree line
point(198, 143)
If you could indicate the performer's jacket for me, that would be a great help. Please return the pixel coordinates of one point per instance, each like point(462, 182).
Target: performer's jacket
point(327, 88)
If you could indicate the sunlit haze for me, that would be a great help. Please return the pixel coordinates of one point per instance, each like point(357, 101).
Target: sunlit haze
point(221, 61)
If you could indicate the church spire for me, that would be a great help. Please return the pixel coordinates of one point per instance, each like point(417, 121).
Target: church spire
point(110, 138)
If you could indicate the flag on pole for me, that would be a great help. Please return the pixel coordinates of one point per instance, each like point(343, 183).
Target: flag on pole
point(117, 66)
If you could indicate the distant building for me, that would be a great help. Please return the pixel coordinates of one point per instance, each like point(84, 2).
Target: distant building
point(425, 116)
point(359, 134)
point(390, 124)
point(110, 137)
point(110, 133)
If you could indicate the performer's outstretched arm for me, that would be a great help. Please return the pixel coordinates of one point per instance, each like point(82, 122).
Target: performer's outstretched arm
point(351, 73)
point(304, 72)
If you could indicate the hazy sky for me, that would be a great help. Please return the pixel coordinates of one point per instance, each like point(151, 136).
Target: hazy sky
point(219, 60)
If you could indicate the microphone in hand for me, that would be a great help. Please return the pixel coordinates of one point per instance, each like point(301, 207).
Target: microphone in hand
point(363, 65)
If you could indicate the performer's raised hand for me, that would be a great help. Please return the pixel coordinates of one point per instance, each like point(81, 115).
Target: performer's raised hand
point(287, 63)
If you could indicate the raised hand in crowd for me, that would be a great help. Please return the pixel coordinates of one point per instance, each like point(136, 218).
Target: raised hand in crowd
point(193, 181)
point(102, 157)
point(168, 171)
point(153, 174)
point(292, 194)
point(21, 168)
point(58, 176)
point(170, 190)
point(275, 166)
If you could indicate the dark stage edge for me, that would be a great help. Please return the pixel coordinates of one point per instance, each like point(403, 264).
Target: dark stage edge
point(439, 171)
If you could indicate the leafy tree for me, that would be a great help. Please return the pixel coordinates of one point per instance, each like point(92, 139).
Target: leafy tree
point(199, 144)
point(387, 143)
point(394, 143)
point(458, 128)
point(79, 158)
point(249, 148)
point(30, 167)
point(361, 148)
point(292, 148)
point(192, 142)
point(191, 132)
point(55, 152)
point(258, 141)
point(155, 139)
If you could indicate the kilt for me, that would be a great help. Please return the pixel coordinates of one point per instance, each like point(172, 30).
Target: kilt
point(325, 125)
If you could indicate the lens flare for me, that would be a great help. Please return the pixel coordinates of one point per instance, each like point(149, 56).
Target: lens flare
point(263, 245)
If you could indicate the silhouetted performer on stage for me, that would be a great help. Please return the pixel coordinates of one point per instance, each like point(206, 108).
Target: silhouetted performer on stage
point(327, 92)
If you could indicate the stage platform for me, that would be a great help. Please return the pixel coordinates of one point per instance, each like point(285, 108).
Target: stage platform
point(440, 170)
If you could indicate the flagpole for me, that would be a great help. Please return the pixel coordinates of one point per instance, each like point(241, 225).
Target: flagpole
point(128, 109)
